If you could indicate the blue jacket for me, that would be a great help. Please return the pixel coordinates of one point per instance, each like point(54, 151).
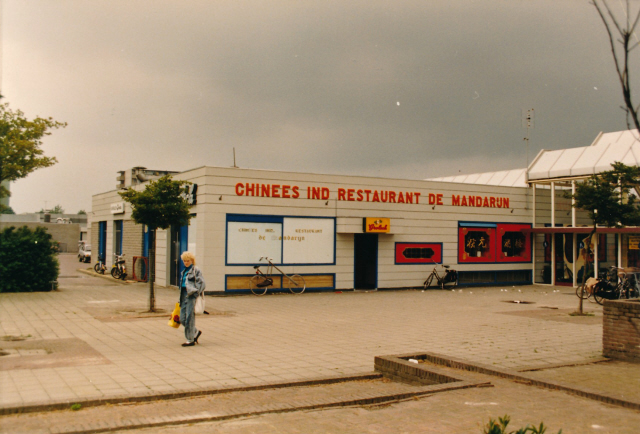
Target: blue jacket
point(194, 282)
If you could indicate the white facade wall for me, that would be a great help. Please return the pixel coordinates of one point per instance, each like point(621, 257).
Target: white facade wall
point(418, 222)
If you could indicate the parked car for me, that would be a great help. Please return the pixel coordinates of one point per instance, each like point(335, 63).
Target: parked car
point(84, 253)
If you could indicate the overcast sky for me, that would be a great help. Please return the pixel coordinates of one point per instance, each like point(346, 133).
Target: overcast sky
point(395, 88)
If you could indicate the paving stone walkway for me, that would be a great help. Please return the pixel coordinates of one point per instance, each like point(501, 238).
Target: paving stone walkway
point(120, 352)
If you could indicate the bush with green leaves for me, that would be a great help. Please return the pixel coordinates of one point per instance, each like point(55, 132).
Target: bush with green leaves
point(27, 260)
point(500, 427)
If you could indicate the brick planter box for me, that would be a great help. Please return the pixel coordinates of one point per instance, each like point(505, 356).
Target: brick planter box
point(621, 330)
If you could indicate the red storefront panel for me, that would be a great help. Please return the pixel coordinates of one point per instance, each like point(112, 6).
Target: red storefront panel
point(513, 245)
point(476, 244)
point(418, 253)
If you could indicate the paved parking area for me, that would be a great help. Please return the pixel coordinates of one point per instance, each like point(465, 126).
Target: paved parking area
point(250, 340)
point(120, 351)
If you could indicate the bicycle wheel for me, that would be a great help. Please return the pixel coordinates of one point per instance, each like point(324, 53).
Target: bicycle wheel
point(257, 285)
point(115, 272)
point(582, 294)
point(600, 296)
point(296, 283)
point(629, 290)
point(97, 267)
point(427, 283)
point(450, 284)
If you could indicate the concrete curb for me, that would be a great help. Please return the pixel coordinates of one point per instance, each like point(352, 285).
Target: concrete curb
point(397, 363)
point(64, 405)
point(368, 398)
point(106, 276)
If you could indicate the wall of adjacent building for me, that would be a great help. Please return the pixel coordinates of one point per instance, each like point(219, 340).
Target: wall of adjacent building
point(67, 235)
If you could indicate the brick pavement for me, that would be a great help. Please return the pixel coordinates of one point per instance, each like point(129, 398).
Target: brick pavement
point(218, 407)
point(311, 409)
point(260, 340)
point(456, 412)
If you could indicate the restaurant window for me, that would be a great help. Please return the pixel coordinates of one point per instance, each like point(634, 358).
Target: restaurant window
point(515, 246)
point(476, 242)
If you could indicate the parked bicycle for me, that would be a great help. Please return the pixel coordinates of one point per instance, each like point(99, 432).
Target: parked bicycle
point(119, 269)
point(100, 266)
point(260, 283)
point(588, 290)
point(448, 278)
point(620, 283)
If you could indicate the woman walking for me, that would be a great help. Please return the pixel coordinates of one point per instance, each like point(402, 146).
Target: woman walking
point(191, 286)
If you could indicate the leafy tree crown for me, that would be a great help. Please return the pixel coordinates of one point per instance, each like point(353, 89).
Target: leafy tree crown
point(160, 204)
point(20, 141)
point(608, 198)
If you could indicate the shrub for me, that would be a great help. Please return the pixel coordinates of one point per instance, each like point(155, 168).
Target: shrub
point(500, 427)
point(27, 260)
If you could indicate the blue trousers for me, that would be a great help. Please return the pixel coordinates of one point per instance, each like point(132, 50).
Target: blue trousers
point(188, 315)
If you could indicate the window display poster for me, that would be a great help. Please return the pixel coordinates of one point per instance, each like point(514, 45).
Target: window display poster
point(308, 241)
point(514, 245)
point(247, 242)
point(476, 244)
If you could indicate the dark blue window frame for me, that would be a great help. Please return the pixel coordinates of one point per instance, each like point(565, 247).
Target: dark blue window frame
point(102, 241)
point(118, 228)
point(259, 218)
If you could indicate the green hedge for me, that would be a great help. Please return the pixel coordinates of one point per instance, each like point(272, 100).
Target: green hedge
point(27, 260)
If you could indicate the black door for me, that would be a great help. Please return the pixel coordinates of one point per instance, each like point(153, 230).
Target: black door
point(366, 261)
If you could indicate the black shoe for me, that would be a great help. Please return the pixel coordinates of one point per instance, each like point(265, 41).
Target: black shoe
point(197, 336)
point(189, 344)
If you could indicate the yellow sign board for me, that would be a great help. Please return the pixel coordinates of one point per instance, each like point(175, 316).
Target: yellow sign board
point(377, 225)
point(634, 242)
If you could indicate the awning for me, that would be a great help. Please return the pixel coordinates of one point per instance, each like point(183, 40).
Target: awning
point(622, 146)
point(580, 230)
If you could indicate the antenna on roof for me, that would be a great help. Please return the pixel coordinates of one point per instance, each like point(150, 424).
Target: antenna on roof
point(528, 121)
point(234, 158)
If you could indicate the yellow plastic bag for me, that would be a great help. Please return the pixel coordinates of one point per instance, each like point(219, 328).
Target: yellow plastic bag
point(174, 321)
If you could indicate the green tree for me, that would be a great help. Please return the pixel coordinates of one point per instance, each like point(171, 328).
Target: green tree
point(82, 212)
point(608, 199)
point(159, 206)
point(27, 260)
point(7, 210)
point(20, 141)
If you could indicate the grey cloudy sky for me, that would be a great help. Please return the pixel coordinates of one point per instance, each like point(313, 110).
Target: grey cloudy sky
point(392, 88)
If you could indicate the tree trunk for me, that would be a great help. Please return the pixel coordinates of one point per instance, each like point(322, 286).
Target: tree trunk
point(152, 269)
point(587, 249)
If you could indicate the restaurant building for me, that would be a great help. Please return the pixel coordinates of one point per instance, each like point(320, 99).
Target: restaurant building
point(345, 232)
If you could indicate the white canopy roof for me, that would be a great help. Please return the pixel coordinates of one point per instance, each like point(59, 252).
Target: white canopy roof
point(504, 178)
point(622, 146)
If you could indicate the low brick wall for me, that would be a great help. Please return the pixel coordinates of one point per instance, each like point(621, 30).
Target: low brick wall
point(621, 330)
